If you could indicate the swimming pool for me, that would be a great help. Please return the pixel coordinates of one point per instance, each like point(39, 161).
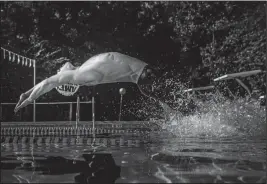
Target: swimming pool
point(125, 153)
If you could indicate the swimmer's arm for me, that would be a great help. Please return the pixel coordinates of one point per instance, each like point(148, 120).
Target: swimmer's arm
point(40, 89)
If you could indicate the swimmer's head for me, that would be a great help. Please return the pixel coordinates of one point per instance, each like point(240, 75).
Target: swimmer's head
point(66, 66)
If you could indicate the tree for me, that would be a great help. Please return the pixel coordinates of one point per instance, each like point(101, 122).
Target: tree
point(190, 41)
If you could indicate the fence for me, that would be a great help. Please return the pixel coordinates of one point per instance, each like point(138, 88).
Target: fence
point(54, 111)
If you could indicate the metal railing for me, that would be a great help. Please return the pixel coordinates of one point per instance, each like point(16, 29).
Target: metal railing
point(78, 102)
point(232, 76)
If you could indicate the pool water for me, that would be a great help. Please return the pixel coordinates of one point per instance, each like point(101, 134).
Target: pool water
point(159, 157)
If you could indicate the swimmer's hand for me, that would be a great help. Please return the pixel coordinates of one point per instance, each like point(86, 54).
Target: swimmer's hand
point(23, 104)
point(22, 97)
point(23, 101)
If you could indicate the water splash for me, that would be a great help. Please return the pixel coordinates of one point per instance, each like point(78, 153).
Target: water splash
point(221, 119)
point(207, 115)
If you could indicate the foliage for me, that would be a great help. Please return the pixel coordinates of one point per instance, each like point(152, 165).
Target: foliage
point(193, 41)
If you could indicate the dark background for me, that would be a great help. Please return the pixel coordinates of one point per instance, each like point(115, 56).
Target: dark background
point(193, 42)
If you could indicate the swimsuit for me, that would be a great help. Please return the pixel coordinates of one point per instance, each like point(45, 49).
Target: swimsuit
point(115, 67)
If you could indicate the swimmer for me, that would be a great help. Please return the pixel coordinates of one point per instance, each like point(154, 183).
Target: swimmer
point(104, 68)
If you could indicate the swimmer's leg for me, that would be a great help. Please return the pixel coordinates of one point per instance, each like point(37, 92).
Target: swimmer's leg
point(145, 86)
point(147, 90)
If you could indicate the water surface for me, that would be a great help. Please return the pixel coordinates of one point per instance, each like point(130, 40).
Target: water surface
point(159, 157)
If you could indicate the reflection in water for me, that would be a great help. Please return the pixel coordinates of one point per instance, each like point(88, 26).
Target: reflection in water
point(194, 160)
point(96, 167)
point(124, 159)
point(37, 159)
